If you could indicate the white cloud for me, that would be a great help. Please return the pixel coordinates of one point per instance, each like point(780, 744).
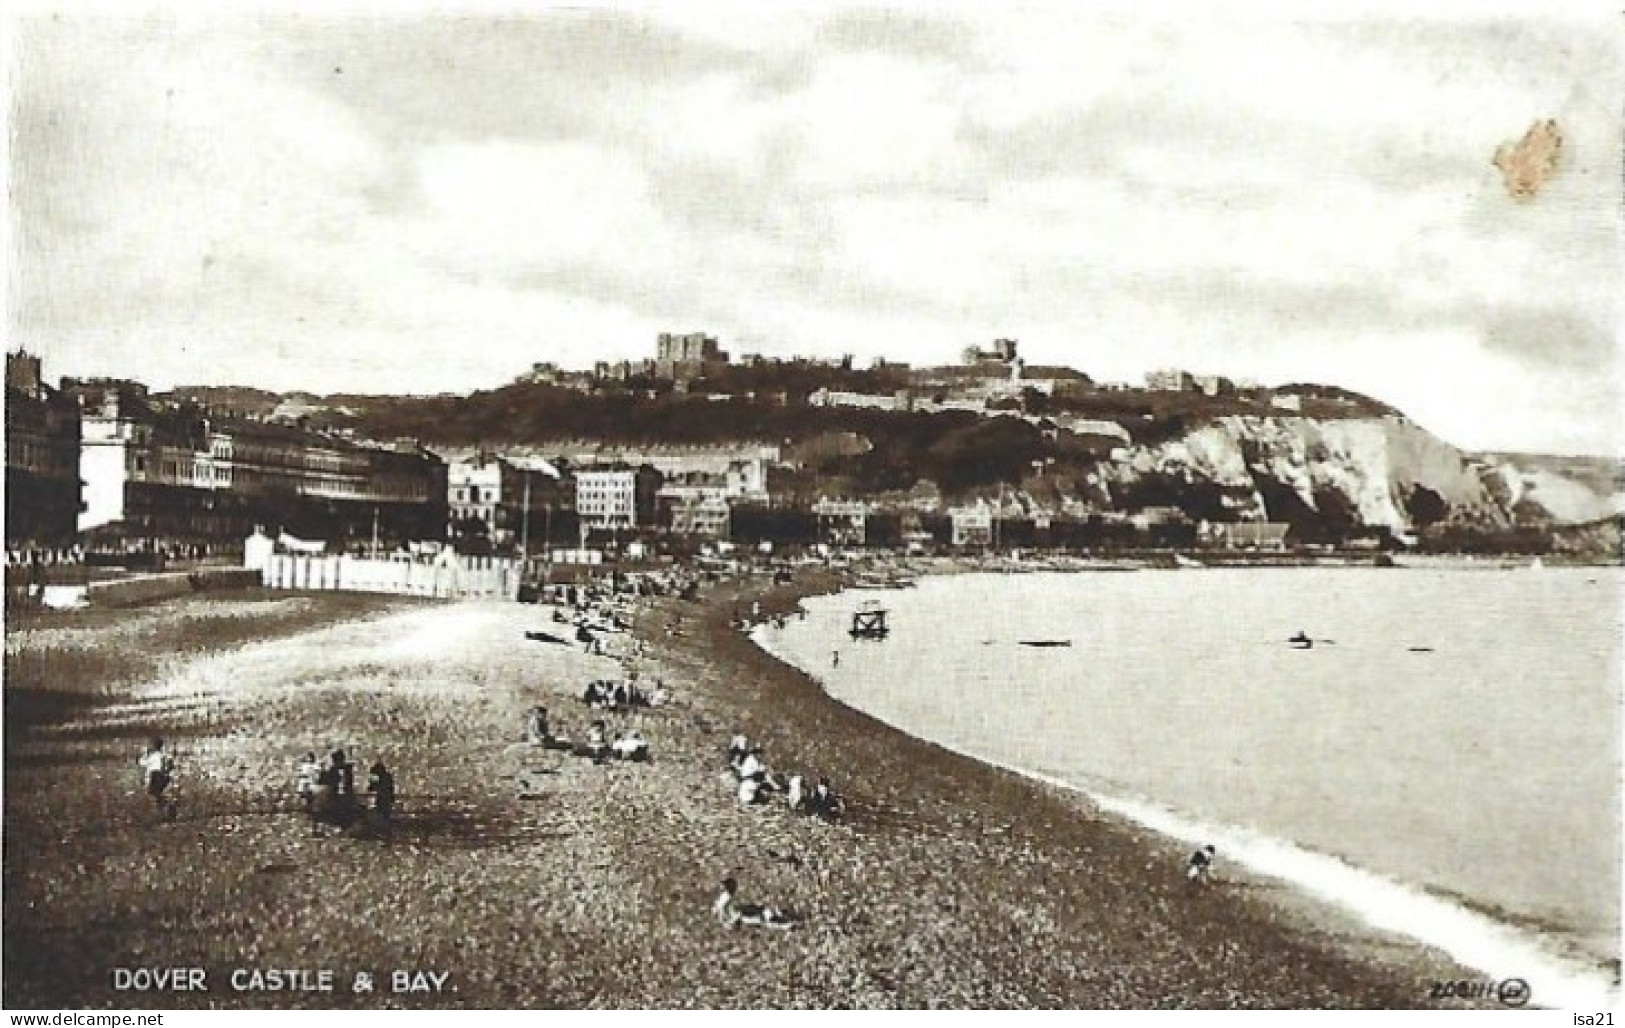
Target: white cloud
point(502, 204)
point(867, 120)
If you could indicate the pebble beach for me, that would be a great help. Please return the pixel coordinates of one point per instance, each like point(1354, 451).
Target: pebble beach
point(518, 876)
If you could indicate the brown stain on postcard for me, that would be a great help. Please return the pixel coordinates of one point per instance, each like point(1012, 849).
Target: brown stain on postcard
point(1529, 163)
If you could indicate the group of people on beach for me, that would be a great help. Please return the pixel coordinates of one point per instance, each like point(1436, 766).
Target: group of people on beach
point(757, 784)
point(602, 694)
point(327, 792)
point(670, 581)
point(596, 745)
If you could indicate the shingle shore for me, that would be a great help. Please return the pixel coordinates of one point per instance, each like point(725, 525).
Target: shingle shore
point(532, 878)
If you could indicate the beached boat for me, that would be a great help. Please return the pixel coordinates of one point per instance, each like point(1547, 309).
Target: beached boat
point(1182, 561)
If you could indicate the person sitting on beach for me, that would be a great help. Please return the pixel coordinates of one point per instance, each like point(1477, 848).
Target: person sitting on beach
point(751, 792)
point(751, 765)
point(631, 746)
point(1200, 865)
point(157, 771)
point(756, 782)
point(597, 745)
point(382, 788)
point(826, 802)
point(737, 748)
point(309, 770)
point(795, 794)
point(731, 913)
point(536, 730)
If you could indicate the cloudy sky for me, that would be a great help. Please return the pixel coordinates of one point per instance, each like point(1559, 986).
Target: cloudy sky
point(433, 201)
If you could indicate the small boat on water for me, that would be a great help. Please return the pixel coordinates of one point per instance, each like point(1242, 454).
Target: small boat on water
point(1301, 641)
point(869, 622)
point(1045, 642)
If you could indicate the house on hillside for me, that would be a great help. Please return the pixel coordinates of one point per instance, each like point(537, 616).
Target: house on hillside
point(900, 400)
point(1171, 381)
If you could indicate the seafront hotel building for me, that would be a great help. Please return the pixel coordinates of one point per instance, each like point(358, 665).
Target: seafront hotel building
point(42, 457)
point(176, 472)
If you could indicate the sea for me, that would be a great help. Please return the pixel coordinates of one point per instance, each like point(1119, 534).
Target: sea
point(1442, 761)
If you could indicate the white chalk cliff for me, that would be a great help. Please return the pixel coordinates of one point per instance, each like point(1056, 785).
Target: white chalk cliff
point(1376, 469)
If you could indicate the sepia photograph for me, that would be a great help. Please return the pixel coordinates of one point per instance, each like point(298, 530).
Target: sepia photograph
point(724, 505)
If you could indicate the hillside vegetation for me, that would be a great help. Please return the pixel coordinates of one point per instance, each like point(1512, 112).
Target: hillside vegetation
point(1339, 466)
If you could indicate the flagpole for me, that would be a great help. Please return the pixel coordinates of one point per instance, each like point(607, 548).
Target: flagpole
point(524, 529)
